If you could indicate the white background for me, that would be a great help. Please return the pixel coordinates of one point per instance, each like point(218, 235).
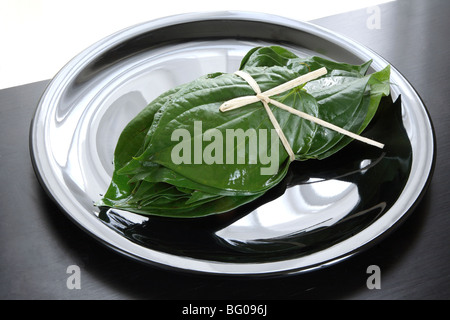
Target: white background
point(37, 37)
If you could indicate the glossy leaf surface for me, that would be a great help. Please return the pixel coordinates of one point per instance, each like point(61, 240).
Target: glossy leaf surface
point(146, 178)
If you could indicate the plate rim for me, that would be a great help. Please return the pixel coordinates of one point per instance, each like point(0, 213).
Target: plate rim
point(223, 15)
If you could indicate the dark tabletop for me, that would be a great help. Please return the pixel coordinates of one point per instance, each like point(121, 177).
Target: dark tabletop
point(38, 242)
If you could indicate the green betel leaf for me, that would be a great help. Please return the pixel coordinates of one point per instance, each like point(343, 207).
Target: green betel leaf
point(183, 157)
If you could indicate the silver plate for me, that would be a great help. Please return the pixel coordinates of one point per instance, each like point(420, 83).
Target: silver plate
point(88, 103)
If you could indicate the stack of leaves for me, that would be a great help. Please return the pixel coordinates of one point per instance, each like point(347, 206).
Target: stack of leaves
point(147, 180)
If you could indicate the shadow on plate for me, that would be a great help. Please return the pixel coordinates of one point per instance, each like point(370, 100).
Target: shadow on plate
point(377, 178)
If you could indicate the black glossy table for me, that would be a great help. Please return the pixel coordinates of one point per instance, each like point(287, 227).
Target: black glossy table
point(38, 242)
